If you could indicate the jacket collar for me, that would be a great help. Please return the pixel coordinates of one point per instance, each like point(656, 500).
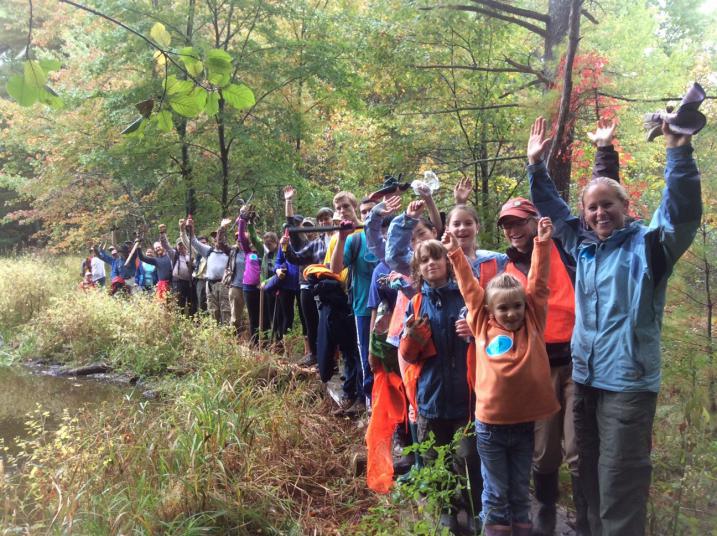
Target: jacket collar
point(631, 227)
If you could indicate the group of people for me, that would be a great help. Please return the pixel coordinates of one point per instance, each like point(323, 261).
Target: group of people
point(546, 353)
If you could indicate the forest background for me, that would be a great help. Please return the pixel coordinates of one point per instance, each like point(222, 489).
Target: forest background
point(118, 113)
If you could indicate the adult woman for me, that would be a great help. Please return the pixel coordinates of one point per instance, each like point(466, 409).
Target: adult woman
point(621, 278)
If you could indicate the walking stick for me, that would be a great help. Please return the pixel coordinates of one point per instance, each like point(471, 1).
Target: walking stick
point(261, 312)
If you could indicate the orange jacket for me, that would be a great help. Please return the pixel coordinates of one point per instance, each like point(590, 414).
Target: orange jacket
point(512, 380)
point(561, 303)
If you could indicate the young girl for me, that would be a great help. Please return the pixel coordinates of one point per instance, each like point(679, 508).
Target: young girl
point(512, 379)
point(621, 279)
point(439, 387)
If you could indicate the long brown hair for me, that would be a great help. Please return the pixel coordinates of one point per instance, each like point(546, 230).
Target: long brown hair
point(432, 249)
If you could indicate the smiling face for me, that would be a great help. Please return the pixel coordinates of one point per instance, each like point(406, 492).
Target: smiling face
point(507, 307)
point(519, 231)
point(434, 271)
point(464, 227)
point(604, 210)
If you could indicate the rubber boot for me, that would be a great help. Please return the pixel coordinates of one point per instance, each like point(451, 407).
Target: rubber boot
point(546, 493)
point(582, 525)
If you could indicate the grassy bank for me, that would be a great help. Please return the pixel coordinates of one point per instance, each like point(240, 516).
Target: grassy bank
point(241, 442)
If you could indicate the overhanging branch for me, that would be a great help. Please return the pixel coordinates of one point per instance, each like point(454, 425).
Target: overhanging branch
point(493, 14)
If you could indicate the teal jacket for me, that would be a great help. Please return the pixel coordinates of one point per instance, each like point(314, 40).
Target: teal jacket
point(621, 281)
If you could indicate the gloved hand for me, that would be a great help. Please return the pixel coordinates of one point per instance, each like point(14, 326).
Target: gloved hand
point(416, 343)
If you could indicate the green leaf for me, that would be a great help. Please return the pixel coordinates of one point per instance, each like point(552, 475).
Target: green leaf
point(49, 97)
point(212, 105)
point(164, 121)
point(25, 94)
point(219, 62)
point(219, 79)
point(200, 94)
point(238, 96)
point(160, 35)
point(133, 126)
point(191, 61)
point(175, 86)
point(49, 64)
point(196, 68)
point(34, 75)
point(187, 105)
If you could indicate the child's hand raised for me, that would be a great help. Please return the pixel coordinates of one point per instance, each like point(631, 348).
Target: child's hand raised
point(450, 241)
point(545, 229)
point(415, 209)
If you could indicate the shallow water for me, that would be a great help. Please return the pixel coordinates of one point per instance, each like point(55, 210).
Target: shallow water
point(21, 390)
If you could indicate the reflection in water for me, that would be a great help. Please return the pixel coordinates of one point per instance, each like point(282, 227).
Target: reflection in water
point(21, 392)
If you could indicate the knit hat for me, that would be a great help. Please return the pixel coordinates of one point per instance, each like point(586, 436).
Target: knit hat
point(518, 207)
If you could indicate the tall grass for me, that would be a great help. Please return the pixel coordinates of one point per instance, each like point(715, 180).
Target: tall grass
point(28, 283)
point(241, 443)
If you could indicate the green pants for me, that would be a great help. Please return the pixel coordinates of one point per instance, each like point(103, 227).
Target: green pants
point(614, 437)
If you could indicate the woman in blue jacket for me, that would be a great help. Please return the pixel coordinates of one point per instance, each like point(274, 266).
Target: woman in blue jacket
point(621, 279)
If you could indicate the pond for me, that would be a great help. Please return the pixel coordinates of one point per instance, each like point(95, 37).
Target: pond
point(21, 390)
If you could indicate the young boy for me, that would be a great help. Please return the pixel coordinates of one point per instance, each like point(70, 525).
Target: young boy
point(512, 373)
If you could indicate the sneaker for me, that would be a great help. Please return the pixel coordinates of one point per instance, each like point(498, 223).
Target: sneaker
point(308, 361)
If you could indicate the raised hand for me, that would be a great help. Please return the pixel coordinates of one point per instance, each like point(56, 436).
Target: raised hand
point(537, 142)
point(450, 241)
point(391, 205)
point(162, 229)
point(347, 227)
point(415, 209)
point(604, 133)
point(672, 139)
point(226, 222)
point(182, 224)
point(545, 229)
point(289, 193)
point(284, 241)
point(462, 190)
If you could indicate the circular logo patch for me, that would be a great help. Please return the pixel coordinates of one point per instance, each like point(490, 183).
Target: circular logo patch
point(499, 346)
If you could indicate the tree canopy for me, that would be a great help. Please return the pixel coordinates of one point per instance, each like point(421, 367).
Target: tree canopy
point(121, 112)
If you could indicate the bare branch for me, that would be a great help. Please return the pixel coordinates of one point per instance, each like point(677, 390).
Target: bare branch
point(588, 16)
point(656, 99)
point(29, 33)
point(461, 109)
point(470, 68)
point(524, 86)
point(528, 26)
point(500, 6)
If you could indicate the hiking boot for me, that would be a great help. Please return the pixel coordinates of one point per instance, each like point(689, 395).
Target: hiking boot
point(344, 405)
point(582, 525)
point(358, 407)
point(472, 526)
point(308, 361)
point(546, 494)
point(403, 464)
point(522, 530)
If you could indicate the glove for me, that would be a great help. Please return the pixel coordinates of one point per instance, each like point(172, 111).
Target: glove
point(417, 343)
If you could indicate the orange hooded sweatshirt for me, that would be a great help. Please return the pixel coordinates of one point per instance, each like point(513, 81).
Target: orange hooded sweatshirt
point(512, 371)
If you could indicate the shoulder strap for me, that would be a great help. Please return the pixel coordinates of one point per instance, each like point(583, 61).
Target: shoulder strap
point(488, 270)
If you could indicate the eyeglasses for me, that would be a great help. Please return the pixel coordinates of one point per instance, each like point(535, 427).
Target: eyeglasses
point(511, 224)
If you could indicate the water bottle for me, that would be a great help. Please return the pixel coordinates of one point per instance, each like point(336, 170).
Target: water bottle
point(428, 186)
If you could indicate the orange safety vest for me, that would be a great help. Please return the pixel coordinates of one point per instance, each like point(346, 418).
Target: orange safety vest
point(561, 303)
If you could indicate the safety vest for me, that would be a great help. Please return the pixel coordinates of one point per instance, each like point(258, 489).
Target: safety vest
point(561, 303)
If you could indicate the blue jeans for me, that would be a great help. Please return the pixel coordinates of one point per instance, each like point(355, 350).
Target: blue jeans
point(506, 454)
point(363, 327)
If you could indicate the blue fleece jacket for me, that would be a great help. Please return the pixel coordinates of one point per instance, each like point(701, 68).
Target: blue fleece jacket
point(621, 281)
point(442, 391)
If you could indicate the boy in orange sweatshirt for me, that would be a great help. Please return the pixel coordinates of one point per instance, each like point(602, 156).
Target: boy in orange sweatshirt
point(512, 386)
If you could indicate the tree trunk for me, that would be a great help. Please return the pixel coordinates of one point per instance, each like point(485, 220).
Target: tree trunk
point(224, 156)
point(559, 161)
point(185, 168)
